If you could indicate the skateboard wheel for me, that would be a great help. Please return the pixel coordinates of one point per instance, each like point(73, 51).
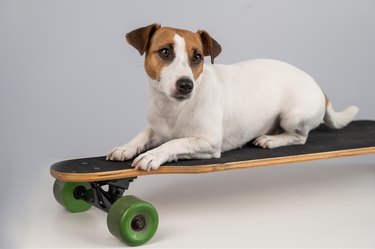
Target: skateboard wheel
point(132, 220)
point(64, 193)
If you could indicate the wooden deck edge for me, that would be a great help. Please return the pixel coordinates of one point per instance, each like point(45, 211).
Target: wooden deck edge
point(118, 174)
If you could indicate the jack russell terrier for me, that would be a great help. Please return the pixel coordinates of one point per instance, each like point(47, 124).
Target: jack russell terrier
point(198, 110)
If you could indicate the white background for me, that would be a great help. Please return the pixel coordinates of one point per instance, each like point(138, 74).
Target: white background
point(71, 87)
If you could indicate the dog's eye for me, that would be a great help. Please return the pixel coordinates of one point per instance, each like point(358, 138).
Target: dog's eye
point(197, 58)
point(164, 53)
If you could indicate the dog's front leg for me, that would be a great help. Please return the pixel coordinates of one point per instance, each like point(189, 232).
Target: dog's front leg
point(144, 140)
point(182, 148)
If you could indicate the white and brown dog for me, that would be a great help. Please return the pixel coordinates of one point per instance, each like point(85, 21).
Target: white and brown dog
point(199, 110)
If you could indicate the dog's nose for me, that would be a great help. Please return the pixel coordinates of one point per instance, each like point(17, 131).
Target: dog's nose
point(184, 86)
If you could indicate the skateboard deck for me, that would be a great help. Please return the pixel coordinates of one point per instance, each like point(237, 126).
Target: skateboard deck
point(355, 139)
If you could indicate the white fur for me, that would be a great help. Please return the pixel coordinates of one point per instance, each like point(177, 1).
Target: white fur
point(230, 105)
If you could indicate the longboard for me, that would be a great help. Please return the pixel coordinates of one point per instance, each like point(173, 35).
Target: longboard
point(79, 182)
point(355, 139)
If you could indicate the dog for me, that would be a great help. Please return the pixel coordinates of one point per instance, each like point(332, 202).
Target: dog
point(198, 110)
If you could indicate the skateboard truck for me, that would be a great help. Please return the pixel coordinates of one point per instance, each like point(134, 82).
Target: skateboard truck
point(130, 219)
point(100, 198)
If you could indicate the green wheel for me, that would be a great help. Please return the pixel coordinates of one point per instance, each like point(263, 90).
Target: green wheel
point(64, 194)
point(132, 220)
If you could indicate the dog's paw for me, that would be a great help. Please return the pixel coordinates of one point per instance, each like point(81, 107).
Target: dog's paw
point(124, 152)
point(265, 141)
point(150, 160)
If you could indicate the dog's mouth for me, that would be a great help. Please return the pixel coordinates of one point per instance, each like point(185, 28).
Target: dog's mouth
point(181, 97)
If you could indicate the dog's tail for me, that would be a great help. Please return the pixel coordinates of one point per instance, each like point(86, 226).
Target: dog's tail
point(338, 120)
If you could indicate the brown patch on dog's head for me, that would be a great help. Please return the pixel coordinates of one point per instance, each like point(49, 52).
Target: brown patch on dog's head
point(158, 44)
point(154, 62)
point(164, 39)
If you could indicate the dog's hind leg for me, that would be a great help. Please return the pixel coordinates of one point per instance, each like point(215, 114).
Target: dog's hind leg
point(285, 138)
point(293, 132)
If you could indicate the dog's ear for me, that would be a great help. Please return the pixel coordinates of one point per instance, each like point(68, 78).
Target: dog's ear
point(140, 38)
point(210, 46)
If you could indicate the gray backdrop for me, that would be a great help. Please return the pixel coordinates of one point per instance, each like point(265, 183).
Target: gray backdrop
point(71, 87)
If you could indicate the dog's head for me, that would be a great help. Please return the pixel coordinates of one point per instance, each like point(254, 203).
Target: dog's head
point(174, 57)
